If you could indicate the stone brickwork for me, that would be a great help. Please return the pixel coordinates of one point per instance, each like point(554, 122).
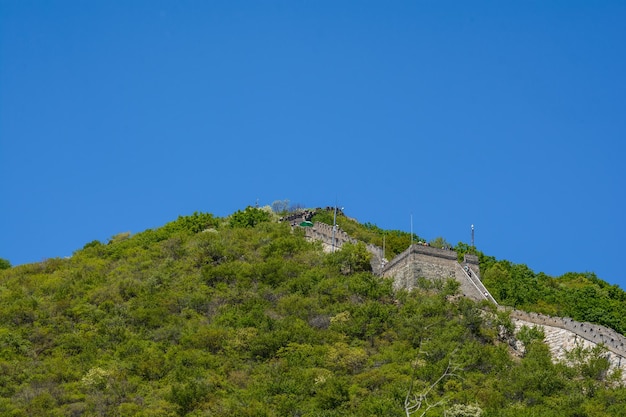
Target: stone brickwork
point(421, 261)
point(560, 340)
point(471, 285)
point(472, 262)
point(593, 333)
point(324, 233)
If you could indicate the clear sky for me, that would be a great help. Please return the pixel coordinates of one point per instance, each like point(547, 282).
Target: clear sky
point(121, 115)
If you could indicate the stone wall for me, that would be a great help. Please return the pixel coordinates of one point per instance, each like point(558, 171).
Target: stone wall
point(472, 262)
point(593, 333)
point(324, 233)
point(433, 264)
point(560, 341)
point(420, 261)
point(471, 285)
point(427, 251)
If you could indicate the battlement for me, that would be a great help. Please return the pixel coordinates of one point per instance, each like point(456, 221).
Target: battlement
point(422, 250)
point(594, 333)
point(324, 232)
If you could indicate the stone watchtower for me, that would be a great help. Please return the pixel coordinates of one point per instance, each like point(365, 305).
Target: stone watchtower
point(420, 261)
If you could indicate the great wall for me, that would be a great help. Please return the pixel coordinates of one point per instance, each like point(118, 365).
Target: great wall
point(562, 334)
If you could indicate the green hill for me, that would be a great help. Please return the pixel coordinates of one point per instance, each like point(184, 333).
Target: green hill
point(241, 316)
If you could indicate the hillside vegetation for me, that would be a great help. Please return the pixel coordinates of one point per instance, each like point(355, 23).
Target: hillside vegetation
point(580, 296)
point(241, 316)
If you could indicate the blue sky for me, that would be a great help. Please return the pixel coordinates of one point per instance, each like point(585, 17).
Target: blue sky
point(120, 116)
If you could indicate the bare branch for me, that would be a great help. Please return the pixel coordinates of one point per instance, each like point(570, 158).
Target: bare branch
point(413, 402)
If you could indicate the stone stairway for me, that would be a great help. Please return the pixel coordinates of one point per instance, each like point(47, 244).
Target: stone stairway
point(477, 283)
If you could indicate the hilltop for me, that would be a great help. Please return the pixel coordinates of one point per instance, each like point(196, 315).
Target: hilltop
point(244, 316)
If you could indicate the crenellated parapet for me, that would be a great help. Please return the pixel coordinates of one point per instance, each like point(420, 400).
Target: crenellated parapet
point(594, 333)
point(421, 261)
point(417, 249)
point(324, 233)
point(563, 335)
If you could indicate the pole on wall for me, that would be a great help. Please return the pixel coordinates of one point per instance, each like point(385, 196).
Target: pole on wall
point(334, 225)
point(382, 255)
point(473, 237)
point(411, 272)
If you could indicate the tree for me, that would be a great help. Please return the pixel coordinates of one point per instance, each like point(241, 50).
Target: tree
point(528, 335)
point(440, 242)
point(415, 402)
point(497, 278)
point(250, 217)
point(4, 264)
point(463, 410)
point(195, 223)
point(353, 258)
point(591, 363)
point(280, 206)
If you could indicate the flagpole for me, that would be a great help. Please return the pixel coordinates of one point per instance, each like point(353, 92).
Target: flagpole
point(411, 242)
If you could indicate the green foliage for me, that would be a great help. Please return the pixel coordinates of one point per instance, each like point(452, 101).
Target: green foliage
point(4, 264)
point(530, 335)
point(591, 363)
point(250, 217)
point(395, 241)
point(351, 258)
point(463, 410)
point(582, 297)
point(188, 395)
point(250, 319)
point(195, 223)
point(439, 242)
